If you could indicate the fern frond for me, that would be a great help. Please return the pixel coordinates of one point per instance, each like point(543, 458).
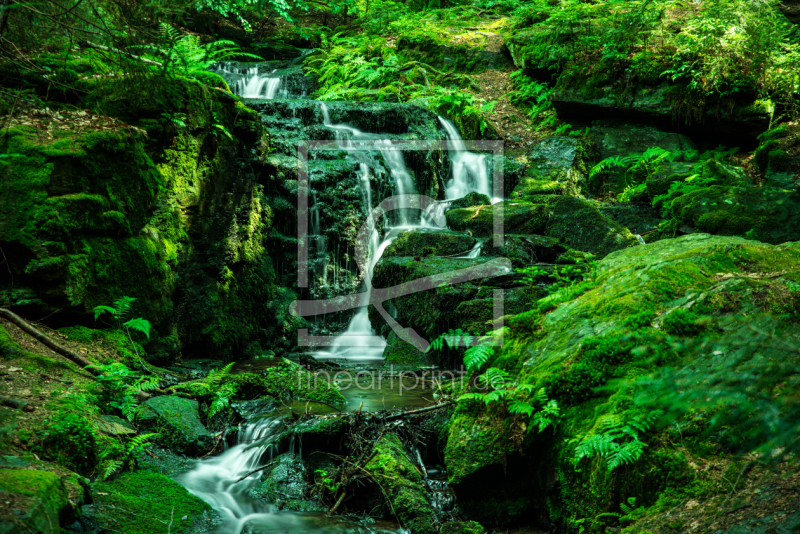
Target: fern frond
point(521, 407)
point(139, 325)
point(475, 357)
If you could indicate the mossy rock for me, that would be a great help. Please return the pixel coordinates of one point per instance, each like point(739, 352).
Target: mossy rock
point(462, 527)
point(144, 502)
point(36, 501)
point(766, 214)
point(556, 167)
point(402, 482)
point(579, 224)
point(469, 200)
point(525, 250)
point(285, 480)
point(178, 423)
point(398, 351)
point(518, 217)
point(581, 337)
point(440, 243)
point(660, 181)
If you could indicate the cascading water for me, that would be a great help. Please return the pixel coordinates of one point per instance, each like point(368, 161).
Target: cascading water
point(251, 83)
point(470, 173)
point(218, 481)
point(470, 170)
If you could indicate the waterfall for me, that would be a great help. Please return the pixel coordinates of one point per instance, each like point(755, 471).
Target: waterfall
point(250, 83)
point(470, 170)
point(475, 252)
point(216, 481)
point(347, 345)
point(470, 173)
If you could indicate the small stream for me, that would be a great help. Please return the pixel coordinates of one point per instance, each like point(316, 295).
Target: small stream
point(216, 480)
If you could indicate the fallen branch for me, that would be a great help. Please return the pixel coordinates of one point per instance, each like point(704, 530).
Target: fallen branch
point(88, 44)
point(16, 404)
point(257, 470)
point(421, 410)
point(47, 342)
point(338, 502)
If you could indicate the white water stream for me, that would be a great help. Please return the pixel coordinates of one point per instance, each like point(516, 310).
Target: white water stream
point(251, 83)
point(216, 481)
point(470, 173)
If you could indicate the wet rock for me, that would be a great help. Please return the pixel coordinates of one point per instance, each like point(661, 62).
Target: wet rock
point(285, 481)
point(165, 462)
point(524, 250)
point(469, 200)
point(398, 351)
point(518, 217)
point(402, 483)
point(253, 408)
point(638, 218)
point(556, 166)
point(578, 224)
point(178, 423)
point(766, 214)
point(425, 242)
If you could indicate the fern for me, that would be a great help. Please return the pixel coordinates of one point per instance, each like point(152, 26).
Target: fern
point(618, 442)
point(476, 356)
point(139, 325)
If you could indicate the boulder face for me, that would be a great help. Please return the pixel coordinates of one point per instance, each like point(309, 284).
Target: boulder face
point(141, 502)
point(643, 296)
point(285, 481)
point(402, 484)
point(615, 138)
point(557, 165)
point(424, 242)
point(178, 423)
point(583, 95)
point(39, 499)
point(766, 214)
point(518, 218)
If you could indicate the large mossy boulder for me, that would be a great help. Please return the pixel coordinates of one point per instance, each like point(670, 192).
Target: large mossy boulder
point(766, 214)
point(35, 501)
point(177, 422)
point(145, 502)
point(400, 352)
point(650, 307)
point(401, 481)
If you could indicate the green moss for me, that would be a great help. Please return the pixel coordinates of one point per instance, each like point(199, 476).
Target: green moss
point(681, 323)
point(146, 502)
point(761, 155)
point(778, 160)
point(114, 345)
point(518, 218)
point(43, 498)
point(400, 479)
point(290, 380)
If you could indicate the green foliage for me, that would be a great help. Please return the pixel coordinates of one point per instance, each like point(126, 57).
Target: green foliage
point(69, 439)
point(184, 55)
point(743, 388)
point(116, 455)
point(682, 322)
point(561, 277)
point(120, 387)
point(535, 95)
point(216, 386)
point(616, 440)
point(121, 309)
point(635, 168)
